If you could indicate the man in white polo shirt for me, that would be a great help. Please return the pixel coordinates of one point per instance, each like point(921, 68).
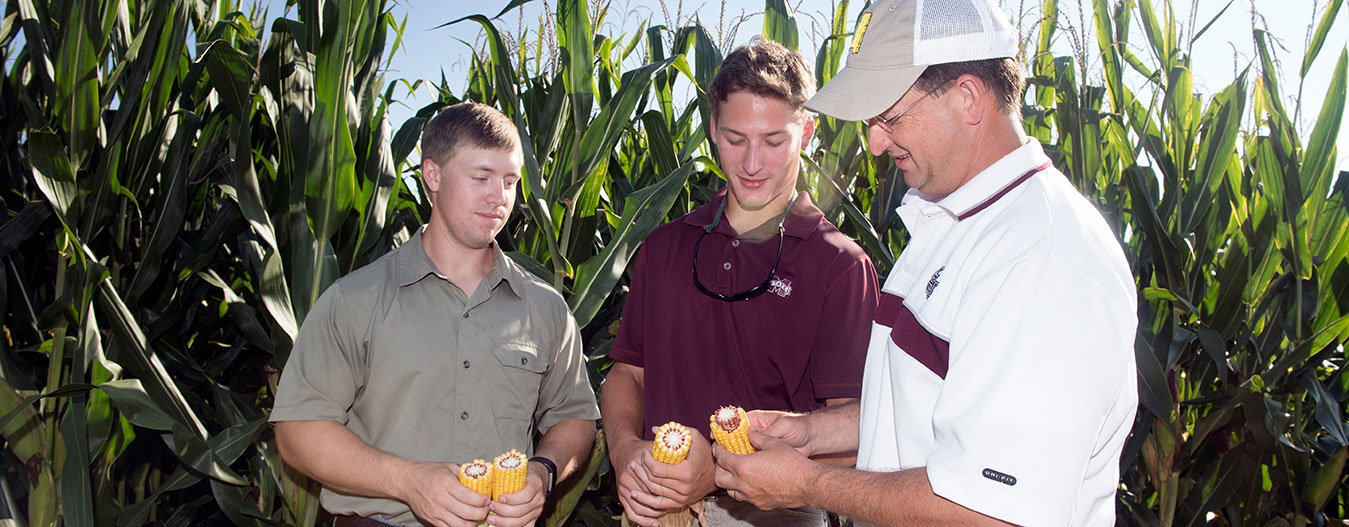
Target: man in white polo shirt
point(999, 384)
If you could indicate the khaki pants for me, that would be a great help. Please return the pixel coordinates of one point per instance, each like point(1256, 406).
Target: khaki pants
point(723, 511)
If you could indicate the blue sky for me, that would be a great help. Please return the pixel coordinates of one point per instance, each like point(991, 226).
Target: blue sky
point(1219, 54)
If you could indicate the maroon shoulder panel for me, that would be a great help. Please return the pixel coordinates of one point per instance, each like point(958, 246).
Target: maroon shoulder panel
point(912, 337)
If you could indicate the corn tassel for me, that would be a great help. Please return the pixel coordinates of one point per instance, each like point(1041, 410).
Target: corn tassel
point(509, 473)
point(730, 427)
point(477, 476)
point(672, 443)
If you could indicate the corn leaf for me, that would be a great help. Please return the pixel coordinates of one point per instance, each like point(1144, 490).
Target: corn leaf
point(642, 212)
point(1318, 164)
point(1318, 40)
point(779, 24)
point(830, 57)
point(1325, 480)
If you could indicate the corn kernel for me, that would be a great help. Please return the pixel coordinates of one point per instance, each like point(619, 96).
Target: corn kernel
point(730, 427)
point(672, 443)
point(509, 473)
point(477, 476)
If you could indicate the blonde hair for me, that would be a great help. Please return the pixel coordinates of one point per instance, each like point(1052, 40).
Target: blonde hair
point(473, 123)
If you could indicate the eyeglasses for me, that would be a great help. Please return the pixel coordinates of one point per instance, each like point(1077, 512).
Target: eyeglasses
point(887, 124)
point(753, 291)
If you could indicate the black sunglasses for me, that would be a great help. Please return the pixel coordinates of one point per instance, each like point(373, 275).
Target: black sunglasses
point(753, 291)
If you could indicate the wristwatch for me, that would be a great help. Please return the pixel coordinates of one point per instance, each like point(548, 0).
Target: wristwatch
point(552, 473)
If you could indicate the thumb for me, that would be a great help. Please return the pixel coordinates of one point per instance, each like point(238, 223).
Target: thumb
point(761, 440)
point(789, 430)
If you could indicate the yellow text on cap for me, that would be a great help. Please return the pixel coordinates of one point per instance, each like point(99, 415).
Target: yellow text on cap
point(861, 30)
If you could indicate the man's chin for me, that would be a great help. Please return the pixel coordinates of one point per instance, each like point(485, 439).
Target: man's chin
point(484, 242)
point(753, 201)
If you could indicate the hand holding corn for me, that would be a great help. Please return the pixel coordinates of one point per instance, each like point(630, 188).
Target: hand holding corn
point(433, 490)
point(776, 476)
point(504, 475)
point(508, 473)
point(671, 446)
point(651, 489)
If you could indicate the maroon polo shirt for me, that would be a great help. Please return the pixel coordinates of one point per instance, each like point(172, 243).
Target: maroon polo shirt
point(799, 343)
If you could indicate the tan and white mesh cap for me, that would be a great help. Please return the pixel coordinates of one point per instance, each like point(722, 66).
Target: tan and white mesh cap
point(896, 40)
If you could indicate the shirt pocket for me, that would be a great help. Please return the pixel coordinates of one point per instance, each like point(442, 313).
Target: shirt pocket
point(521, 374)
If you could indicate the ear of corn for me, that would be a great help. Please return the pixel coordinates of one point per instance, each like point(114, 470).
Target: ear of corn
point(730, 427)
point(477, 476)
point(688, 516)
point(672, 443)
point(508, 473)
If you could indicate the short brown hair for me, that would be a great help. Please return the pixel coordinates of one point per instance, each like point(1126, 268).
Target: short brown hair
point(767, 69)
point(1004, 77)
point(473, 123)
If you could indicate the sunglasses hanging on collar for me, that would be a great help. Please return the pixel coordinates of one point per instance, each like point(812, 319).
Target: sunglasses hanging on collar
point(753, 291)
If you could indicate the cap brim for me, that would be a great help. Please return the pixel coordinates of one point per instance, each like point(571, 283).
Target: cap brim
point(856, 94)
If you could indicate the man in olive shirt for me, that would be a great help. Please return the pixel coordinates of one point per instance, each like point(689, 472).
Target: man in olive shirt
point(440, 352)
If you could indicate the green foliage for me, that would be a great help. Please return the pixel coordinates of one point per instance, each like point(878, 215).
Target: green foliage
point(186, 189)
point(182, 180)
point(1237, 238)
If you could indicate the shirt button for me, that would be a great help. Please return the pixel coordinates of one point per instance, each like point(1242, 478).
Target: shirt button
point(735, 243)
point(524, 361)
point(465, 364)
point(465, 314)
point(726, 266)
point(464, 416)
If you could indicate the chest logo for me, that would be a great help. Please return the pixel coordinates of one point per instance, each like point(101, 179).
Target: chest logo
point(781, 287)
point(934, 281)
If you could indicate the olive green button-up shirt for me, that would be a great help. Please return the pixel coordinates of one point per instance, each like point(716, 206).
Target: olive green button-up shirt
point(415, 367)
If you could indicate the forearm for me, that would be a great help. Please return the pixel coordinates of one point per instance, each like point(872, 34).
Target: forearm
point(334, 456)
point(887, 498)
point(567, 444)
point(833, 429)
point(621, 404)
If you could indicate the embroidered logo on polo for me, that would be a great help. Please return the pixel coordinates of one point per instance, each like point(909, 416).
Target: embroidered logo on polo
point(781, 287)
point(932, 282)
point(1005, 479)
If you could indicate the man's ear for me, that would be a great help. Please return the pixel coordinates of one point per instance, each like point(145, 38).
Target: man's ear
point(808, 130)
point(971, 94)
point(431, 174)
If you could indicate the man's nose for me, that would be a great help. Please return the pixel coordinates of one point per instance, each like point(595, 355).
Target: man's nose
point(753, 161)
point(500, 192)
point(877, 139)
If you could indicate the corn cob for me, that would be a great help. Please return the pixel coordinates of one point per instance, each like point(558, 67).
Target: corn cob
point(730, 427)
point(672, 443)
point(687, 516)
point(477, 476)
point(508, 475)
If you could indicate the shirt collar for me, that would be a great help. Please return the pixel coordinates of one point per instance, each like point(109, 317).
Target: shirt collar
point(414, 265)
point(992, 182)
point(801, 222)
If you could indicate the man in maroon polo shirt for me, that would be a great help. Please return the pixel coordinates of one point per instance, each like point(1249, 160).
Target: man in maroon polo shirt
point(753, 300)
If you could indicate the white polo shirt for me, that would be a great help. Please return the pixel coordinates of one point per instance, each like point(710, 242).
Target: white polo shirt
point(1002, 356)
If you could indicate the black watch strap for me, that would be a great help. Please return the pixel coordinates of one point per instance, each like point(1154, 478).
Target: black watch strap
point(552, 473)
